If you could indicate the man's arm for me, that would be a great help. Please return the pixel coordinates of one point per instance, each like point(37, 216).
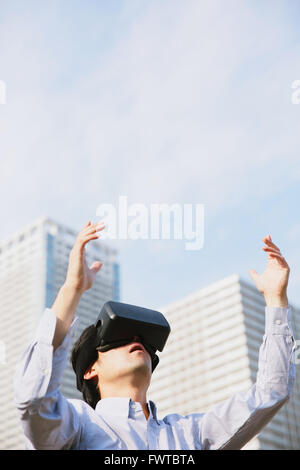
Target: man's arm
point(49, 420)
point(79, 279)
point(232, 423)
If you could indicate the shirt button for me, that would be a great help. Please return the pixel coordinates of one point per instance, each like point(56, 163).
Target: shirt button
point(278, 322)
point(45, 371)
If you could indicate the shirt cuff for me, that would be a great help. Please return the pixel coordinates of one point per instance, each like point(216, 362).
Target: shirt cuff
point(278, 320)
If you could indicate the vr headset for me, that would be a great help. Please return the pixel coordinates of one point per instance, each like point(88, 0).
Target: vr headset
point(117, 325)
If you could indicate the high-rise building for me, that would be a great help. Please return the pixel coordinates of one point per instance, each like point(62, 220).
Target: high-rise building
point(33, 267)
point(212, 353)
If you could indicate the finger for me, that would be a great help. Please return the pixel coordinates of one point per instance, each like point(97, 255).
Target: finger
point(88, 226)
point(93, 228)
point(96, 266)
point(271, 250)
point(254, 275)
point(90, 236)
point(82, 239)
point(269, 242)
point(276, 255)
point(280, 258)
point(100, 226)
point(87, 239)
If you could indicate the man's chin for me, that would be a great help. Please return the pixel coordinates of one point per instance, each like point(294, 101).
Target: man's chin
point(140, 365)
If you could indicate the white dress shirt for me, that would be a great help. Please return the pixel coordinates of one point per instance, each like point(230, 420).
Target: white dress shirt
point(50, 421)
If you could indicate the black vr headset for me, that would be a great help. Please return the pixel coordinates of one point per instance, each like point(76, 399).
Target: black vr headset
point(117, 325)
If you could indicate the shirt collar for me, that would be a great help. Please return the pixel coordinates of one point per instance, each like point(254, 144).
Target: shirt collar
point(120, 406)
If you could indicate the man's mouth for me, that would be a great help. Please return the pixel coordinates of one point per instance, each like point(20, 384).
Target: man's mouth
point(136, 347)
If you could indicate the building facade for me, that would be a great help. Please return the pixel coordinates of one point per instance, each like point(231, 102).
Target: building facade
point(212, 353)
point(33, 267)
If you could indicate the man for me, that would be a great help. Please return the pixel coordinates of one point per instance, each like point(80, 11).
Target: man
point(119, 415)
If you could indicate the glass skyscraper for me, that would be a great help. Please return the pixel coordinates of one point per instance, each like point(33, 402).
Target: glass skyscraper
point(33, 267)
point(212, 353)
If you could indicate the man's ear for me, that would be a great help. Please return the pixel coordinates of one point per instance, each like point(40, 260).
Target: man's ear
point(90, 373)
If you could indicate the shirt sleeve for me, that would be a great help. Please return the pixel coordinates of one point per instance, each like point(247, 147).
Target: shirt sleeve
point(232, 423)
point(48, 419)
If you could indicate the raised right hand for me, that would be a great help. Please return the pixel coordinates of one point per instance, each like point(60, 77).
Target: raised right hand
point(79, 276)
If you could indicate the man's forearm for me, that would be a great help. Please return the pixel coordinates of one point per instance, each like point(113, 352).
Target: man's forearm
point(276, 300)
point(64, 306)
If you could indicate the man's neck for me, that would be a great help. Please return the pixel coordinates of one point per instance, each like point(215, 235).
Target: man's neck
point(136, 395)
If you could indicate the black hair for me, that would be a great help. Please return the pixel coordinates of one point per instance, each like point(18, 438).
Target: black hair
point(85, 353)
point(85, 345)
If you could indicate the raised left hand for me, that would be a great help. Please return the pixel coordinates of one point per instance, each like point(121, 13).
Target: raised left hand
point(273, 282)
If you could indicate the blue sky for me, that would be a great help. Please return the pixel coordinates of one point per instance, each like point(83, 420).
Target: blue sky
point(165, 102)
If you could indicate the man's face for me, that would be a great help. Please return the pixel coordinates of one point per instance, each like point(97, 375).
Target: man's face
point(130, 361)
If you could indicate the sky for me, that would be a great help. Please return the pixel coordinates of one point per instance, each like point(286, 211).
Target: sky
point(164, 101)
